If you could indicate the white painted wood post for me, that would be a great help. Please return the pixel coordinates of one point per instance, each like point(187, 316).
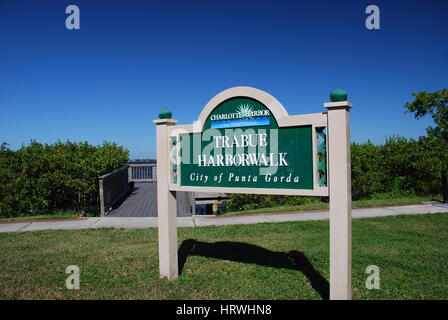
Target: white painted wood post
point(166, 203)
point(339, 179)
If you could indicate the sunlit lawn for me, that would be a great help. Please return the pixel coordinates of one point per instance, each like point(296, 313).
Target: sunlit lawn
point(262, 261)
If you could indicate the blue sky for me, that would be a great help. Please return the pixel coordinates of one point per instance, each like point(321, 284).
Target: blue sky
point(108, 80)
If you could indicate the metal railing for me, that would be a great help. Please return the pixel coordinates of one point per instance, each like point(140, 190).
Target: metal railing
point(113, 186)
point(140, 172)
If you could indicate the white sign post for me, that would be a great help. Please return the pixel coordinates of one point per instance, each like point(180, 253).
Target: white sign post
point(166, 202)
point(338, 187)
point(338, 133)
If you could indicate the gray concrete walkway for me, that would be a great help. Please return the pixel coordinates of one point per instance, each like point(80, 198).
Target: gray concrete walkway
point(194, 221)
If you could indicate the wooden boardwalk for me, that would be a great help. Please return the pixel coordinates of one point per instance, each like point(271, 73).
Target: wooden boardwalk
point(142, 202)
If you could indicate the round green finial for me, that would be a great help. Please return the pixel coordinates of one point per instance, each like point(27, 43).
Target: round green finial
point(338, 95)
point(165, 113)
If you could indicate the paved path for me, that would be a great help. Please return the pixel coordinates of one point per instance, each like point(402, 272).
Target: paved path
point(142, 202)
point(148, 222)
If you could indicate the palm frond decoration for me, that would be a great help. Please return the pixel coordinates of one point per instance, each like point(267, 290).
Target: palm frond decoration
point(245, 110)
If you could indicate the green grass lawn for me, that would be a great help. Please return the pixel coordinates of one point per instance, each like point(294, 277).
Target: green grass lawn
point(262, 261)
point(314, 204)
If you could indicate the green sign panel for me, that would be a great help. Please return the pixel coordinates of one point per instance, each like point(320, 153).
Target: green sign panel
point(241, 146)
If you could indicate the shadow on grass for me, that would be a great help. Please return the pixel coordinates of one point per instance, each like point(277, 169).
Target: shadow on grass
point(248, 253)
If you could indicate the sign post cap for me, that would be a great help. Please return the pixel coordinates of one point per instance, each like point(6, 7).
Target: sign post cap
point(338, 95)
point(165, 113)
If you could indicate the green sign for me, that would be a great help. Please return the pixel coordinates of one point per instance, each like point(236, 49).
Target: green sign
point(241, 146)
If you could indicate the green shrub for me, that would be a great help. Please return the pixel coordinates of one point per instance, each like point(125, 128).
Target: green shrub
point(398, 167)
point(239, 202)
point(64, 176)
